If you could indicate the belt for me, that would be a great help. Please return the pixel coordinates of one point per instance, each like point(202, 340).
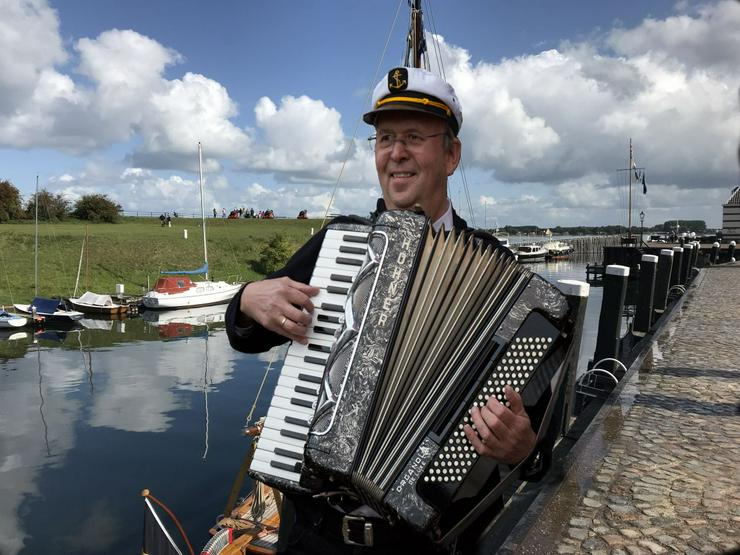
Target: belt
point(362, 530)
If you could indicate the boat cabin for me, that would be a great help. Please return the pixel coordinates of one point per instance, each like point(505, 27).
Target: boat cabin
point(173, 284)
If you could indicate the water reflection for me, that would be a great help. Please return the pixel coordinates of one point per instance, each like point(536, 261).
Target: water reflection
point(91, 416)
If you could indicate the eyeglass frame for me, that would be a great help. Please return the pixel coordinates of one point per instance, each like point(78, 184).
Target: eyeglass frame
point(372, 139)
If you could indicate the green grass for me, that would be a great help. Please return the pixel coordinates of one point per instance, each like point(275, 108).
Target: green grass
point(132, 252)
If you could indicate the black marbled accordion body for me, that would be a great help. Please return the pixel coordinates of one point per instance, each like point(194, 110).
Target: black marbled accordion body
point(434, 323)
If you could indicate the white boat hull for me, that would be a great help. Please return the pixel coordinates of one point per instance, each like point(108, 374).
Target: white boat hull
point(14, 322)
point(203, 294)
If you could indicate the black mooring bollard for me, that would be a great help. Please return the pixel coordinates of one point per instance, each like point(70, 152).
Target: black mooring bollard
point(610, 317)
point(688, 257)
point(662, 281)
point(577, 293)
point(697, 251)
point(714, 255)
point(731, 252)
point(646, 295)
point(676, 268)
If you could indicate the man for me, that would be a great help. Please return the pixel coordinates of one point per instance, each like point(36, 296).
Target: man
point(417, 118)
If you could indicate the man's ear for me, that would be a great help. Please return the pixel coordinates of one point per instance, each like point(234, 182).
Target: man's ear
point(453, 156)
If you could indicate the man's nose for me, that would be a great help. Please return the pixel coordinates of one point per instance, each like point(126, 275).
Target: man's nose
point(398, 150)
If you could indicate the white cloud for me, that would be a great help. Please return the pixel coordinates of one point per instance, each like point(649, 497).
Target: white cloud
point(563, 114)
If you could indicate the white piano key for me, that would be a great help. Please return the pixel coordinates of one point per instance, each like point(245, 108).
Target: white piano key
point(294, 383)
point(284, 403)
point(259, 465)
point(290, 394)
point(279, 415)
point(274, 435)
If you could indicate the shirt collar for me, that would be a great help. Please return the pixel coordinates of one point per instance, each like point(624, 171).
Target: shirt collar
point(445, 219)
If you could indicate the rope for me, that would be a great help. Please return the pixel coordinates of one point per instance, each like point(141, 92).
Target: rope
point(259, 391)
point(367, 100)
point(145, 493)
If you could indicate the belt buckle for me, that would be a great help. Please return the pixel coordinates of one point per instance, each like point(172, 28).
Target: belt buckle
point(367, 530)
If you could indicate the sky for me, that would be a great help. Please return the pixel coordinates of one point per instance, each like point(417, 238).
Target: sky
point(113, 97)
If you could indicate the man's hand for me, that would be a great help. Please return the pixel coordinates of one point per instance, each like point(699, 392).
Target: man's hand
point(502, 433)
point(281, 305)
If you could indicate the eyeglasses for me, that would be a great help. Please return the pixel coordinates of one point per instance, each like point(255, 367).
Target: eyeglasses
point(412, 141)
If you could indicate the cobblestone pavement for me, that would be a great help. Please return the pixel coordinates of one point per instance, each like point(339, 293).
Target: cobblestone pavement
point(664, 475)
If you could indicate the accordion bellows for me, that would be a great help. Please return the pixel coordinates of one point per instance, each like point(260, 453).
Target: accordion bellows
point(434, 323)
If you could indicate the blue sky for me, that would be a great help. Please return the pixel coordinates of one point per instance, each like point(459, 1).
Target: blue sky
point(112, 97)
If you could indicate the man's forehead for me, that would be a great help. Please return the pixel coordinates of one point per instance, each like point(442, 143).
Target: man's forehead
point(407, 121)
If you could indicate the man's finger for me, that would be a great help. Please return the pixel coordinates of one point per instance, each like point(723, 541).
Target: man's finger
point(515, 401)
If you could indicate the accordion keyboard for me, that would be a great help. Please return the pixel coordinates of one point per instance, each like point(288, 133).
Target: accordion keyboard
point(279, 453)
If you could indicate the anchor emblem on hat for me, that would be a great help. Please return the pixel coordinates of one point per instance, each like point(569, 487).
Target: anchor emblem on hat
point(398, 79)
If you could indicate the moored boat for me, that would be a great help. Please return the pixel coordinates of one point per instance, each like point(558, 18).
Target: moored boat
point(10, 320)
point(52, 310)
point(558, 249)
point(92, 303)
point(181, 292)
point(530, 253)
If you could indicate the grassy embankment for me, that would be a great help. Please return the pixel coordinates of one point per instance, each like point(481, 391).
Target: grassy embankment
point(132, 252)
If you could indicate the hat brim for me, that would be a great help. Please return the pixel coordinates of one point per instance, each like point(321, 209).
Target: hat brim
point(372, 116)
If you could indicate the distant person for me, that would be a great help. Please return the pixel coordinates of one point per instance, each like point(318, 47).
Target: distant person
point(214, 213)
point(223, 212)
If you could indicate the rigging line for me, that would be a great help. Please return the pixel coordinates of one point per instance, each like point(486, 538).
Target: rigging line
point(440, 63)
point(41, 395)
point(205, 393)
point(368, 99)
point(437, 53)
point(259, 391)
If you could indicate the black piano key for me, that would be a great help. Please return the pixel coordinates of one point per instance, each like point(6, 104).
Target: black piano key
point(328, 319)
point(319, 348)
point(348, 261)
point(315, 360)
point(332, 307)
point(306, 390)
point(287, 453)
point(296, 421)
point(294, 435)
point(301, 402)
point(323, 330)
point(309, 378)
point(352, 250)
point(354, 238)
point(341, 277)
point(337, 290)
point(284, 466)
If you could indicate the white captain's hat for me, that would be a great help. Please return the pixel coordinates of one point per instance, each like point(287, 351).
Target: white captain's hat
point(415, 89)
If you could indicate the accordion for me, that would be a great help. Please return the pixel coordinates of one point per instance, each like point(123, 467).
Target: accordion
point(432, 325)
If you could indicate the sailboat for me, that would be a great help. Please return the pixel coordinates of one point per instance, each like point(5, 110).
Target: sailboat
point(51, 310)
point(176, 290)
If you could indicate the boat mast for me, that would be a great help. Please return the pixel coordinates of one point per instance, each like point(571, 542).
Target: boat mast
point(415, 46)
point(36, 242)
point(202, 209)
point(629, 202)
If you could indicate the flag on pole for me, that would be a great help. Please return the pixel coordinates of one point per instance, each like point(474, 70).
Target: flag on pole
point(156, 540)
point(644, 187)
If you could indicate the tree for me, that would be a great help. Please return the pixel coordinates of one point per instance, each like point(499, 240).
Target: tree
point(274, 254)
point(10, 202)
point(51, 207)
point(97, 208)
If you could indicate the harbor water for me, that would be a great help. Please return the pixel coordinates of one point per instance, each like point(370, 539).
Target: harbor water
point(90, 417)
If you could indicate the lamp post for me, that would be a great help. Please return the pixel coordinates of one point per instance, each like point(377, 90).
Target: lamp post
point(642, 219)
